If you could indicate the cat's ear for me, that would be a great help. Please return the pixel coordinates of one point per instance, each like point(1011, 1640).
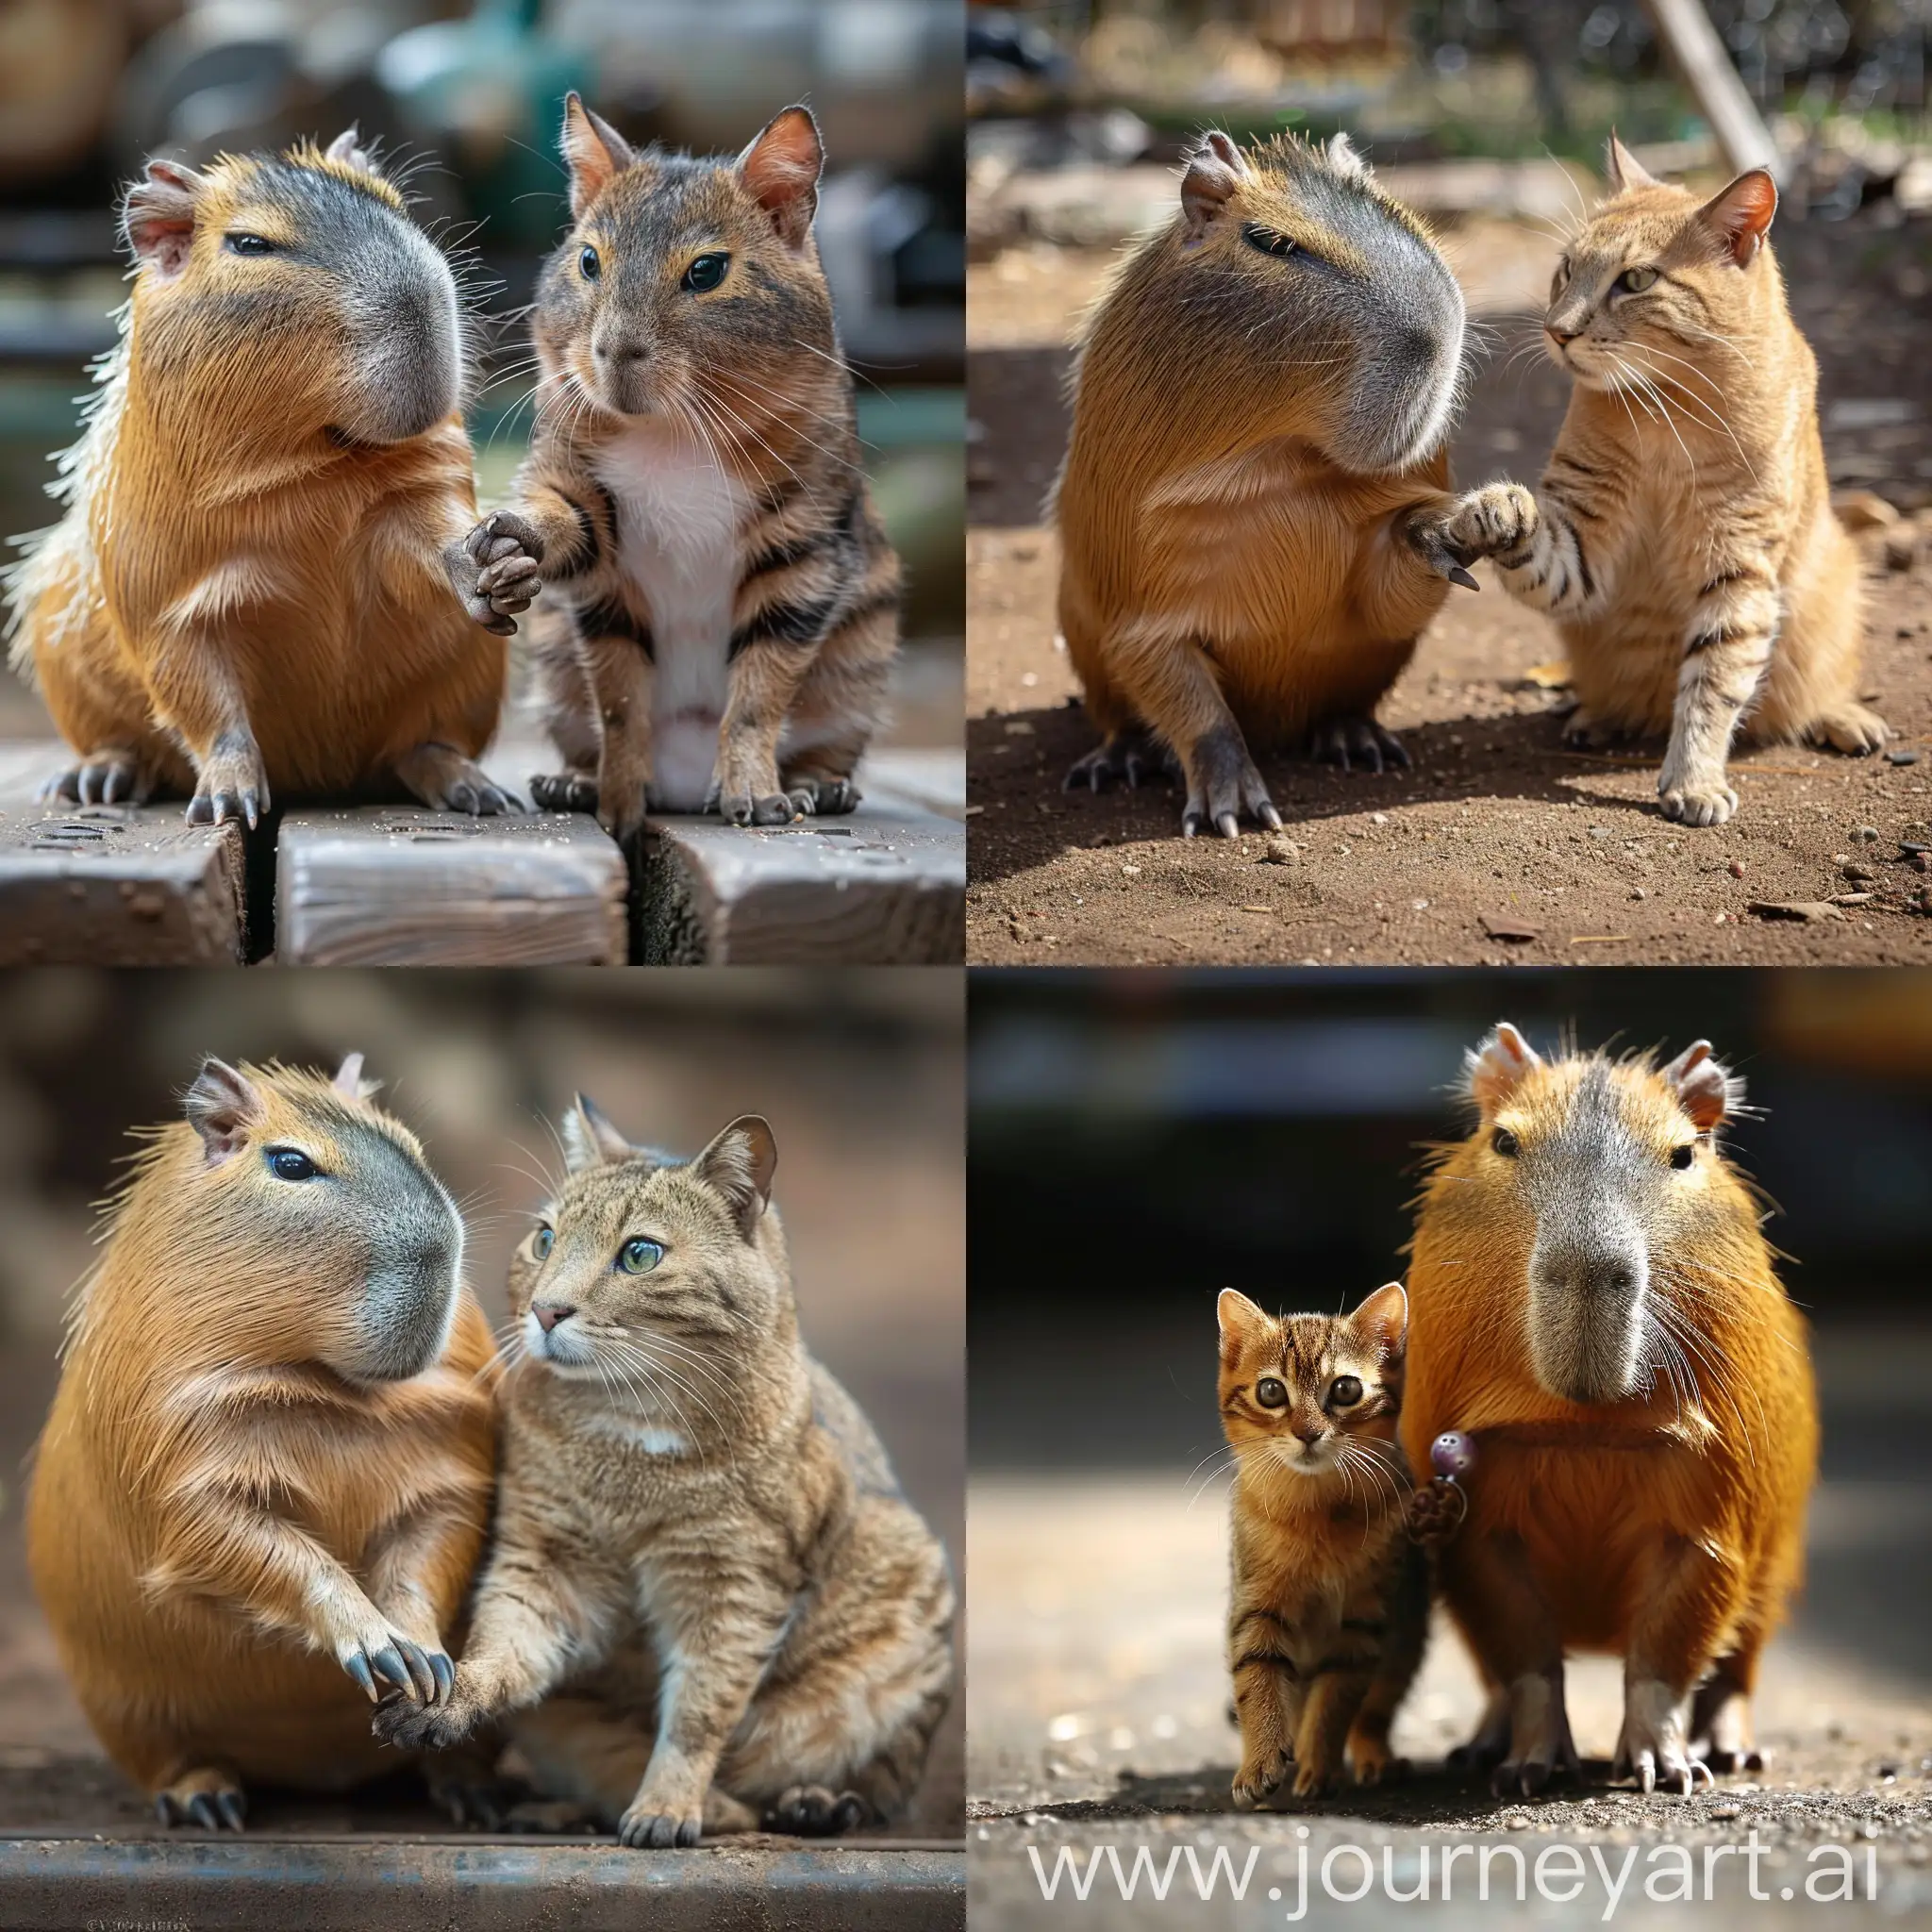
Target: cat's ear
point(349, 1082)
point(1741, 216)
point(589, 1140)
point(1494, 1070)
point(739, 1163)
point(220, 1107)
point(1241, 1321)
point(1215, 170)
point(593, 151)
point(1382, 1321)
point(1623, 170)
point(1706, 1090)
point(780, 171)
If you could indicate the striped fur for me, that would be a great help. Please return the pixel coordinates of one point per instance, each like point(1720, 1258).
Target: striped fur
point(709, 1605)
point(1329, 1607)
point(1682, 540)
point(722, 599)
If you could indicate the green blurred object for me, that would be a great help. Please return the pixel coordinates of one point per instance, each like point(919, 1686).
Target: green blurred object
point(487, 94)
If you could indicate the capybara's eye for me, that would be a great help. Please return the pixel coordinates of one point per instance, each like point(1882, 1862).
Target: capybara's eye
point(290, 1164)
point(542, 1242)
point(250, 244)
point(1271, 1391)
point(1505, 1142)
point(588, 265)
point(639, 1257)
point(1345, 1392)
point(1268, 241)
point(1682, 1157)
point(705, 273)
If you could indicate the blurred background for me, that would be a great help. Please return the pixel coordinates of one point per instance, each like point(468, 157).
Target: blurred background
point(472, 90)
point(859, 1072)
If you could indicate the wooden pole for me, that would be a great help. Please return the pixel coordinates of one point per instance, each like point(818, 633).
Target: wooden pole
point(1705, 69)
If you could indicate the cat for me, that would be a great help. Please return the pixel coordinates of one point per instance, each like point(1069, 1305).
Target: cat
point(1683, 538)
point(721, 607)
point(708, 1607)
point(1330, 1603)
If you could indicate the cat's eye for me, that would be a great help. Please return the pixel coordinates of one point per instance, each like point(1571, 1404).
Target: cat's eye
point(542, 1242)
point(1633, 281)
point(705, 273)
point(1271, 1391)
point(588, 266)
point(639, 1257)
point(1268, 241)
point(1506, 1143)
point(249, 245)
point(1682, 1157)
point(1344, 1392)
point(290, 1164)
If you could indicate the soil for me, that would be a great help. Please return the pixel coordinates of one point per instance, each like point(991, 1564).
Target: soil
point(1498, 844)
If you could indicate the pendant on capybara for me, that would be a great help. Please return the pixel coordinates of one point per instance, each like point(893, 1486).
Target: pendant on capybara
point(1436, 1509)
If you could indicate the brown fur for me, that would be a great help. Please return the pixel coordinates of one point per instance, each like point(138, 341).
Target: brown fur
point(1225, 576)
point(1664, 1526)
point(708, 1603)
point(238, 601)
point(1683, 540)
point(1331, 1602)
point(228, 1506)
point(760, 703)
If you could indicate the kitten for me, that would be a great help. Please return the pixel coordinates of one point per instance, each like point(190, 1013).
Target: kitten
point(1331, 1605)
point(725, 603)
point(1683, 538)
point(708, 1606)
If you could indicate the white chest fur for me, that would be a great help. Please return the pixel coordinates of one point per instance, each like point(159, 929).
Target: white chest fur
point(678, 516)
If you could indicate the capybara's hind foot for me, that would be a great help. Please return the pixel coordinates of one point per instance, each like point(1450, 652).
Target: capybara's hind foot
point(818, 794)
point(1855, 729)
point(109, 777)
point(1651, 1748)
point(1720, 1727)
point(1350, 741)
point(816, 1812)
point(445, 780)
point(564, 792)
point(210, 1796)
point(1131, 757)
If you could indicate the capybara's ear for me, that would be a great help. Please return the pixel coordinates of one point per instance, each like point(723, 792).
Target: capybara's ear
point(349, 1082)
point(157, 216)
point(1383, 1320)
point(1215, 170)
point(589, 1140)
point(222, 1106)
point(593, 150)
point(780, 168)
point(1623, 170)
point(1706, 1090)
point(740, 1164)
point(1741, 213)
point(1344, 160)
point(347, 147)
point(1495, 1069)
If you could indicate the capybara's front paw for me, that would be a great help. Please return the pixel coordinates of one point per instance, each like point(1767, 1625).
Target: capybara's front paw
point(231, 783)
point(383, 1655)
point(1499, 519)
point(495, 569)
point(1651, 1748)
point(1223, 785)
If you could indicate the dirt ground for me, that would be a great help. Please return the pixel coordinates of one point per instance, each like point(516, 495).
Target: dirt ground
point(1498, 844)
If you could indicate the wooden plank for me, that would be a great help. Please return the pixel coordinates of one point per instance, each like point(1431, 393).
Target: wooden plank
point(931, 779)
point(402, 886)
point(112, 885)
point(885, 885)
point(1699, 57)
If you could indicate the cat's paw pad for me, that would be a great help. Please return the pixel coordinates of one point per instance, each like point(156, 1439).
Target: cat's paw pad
point(1691, 804)
point(1499, 519)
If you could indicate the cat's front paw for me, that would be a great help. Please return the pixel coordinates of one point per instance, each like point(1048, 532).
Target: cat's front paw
point(1259, 1777)
point(656, 1825)
point(1499, 519)
point(1708, 802)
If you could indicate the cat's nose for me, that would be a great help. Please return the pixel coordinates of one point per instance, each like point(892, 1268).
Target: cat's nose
point(1561, 337)
point(549, 1314)
point(1310, 1433)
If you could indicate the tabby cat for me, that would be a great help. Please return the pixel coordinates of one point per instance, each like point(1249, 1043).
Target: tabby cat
point(1683, 538)
point(1330, 1604)
point(724, 603)
point(708, 1606)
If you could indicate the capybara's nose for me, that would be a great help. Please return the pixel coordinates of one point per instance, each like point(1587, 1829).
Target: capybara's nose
point(549, 1314)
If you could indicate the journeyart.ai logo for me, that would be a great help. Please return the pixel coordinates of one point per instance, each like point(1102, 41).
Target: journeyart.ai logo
point(1347, 1873)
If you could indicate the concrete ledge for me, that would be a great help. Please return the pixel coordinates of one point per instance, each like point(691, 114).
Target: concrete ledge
point(474, 1884)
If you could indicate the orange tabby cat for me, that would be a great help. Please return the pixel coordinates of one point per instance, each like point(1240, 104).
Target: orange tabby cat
point(1683, 538)
point(1330, 1603)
